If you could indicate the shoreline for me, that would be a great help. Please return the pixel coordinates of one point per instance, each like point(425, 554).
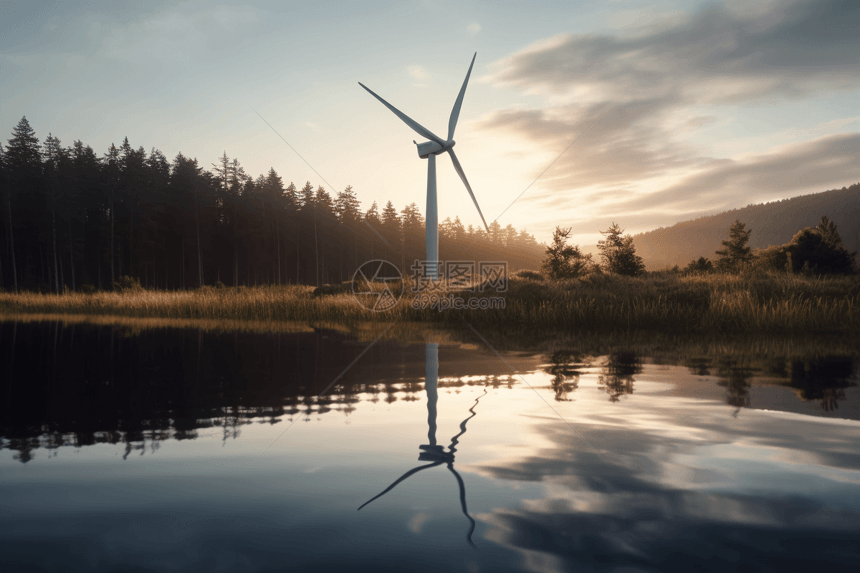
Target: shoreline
point(665, 302)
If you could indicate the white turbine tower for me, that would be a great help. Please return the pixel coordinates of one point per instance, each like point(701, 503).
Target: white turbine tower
point(429, 150)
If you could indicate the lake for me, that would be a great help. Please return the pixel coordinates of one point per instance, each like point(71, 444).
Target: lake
point(158, 446)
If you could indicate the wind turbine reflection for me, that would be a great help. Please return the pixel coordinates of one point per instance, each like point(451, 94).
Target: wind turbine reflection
point(432, 452)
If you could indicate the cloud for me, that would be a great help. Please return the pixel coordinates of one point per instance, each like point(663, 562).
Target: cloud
point(172, 34)
point(630, 141)
point(473, 28)
point(417, 73)
point(716, 55)
point(818, 165)
point(675, 483)
point(660, 85)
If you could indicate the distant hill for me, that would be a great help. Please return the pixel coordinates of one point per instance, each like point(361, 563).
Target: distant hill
point(771, 223)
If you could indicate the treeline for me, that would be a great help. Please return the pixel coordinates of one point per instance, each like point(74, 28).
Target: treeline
point(73, 219)
point(815, 250)
point(775, 223)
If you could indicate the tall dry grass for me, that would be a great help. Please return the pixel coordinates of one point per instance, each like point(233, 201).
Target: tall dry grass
point(759, 302)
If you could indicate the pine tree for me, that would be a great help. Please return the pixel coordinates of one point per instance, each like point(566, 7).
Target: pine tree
point(372, 215)
point(111, 170)
point(737, 251)
point(495, 232)
point(3, 195)
point(53, 154)
point(564, 261)
point(23, 152)
point(347, 207)
point(236, 182)
point(619, 253)
point(827, 229)
point(347, 210)
point(23, 166)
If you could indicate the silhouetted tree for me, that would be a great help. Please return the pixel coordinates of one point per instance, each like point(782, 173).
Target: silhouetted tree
point(737, 251)
point(564, 261)
point(619, 253)
point(69, 217)
point(819, 252)
point(700, 265)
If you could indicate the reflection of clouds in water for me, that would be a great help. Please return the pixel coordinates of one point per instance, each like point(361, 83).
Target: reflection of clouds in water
point(683, 485)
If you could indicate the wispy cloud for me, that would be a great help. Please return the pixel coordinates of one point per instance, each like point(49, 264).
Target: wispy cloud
point(717, 55)
point(172, 34)
point(473, 28)
point(419, 76)
point(656, 83)
point(416, 72)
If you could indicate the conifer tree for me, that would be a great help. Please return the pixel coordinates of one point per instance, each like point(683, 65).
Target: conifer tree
point(619, 253)
point(737, 251)
point(564, 261)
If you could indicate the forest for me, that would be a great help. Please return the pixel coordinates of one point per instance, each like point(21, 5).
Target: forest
point(774, 223)
point(76, 220)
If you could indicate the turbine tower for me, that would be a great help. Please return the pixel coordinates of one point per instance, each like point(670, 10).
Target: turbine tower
point(429, 150)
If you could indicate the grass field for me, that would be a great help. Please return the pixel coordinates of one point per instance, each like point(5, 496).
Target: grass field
point(756, 303)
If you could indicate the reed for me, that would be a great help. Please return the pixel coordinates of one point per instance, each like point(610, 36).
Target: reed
point(716, 303)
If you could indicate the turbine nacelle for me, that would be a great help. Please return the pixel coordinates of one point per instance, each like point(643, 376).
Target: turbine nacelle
point(428, 148)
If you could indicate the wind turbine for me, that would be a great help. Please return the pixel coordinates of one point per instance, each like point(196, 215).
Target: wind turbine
point(429, 150)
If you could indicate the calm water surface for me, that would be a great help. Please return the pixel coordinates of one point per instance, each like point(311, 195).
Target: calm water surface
point(159, 449)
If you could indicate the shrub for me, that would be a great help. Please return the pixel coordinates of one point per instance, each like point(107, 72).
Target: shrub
point(812, 253)
point(700, 265)
point(128, 284)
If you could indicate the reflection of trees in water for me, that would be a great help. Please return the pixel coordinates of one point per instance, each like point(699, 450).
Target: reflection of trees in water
point(823, 380)
point(565, 367)
point(698, 366)
point(734, 375)
point(88, 384)
point(617, 378)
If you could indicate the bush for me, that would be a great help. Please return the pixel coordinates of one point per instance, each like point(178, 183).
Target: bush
point(812, 253)
point(700, 265)
point(218, 284)
point(88, 288)
point(128, 284)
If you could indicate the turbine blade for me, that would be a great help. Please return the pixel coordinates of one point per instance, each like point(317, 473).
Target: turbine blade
point(455, 113)
point(459, 169)
point(419, 129)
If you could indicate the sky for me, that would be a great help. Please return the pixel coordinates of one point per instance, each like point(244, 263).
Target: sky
point(577, 114)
